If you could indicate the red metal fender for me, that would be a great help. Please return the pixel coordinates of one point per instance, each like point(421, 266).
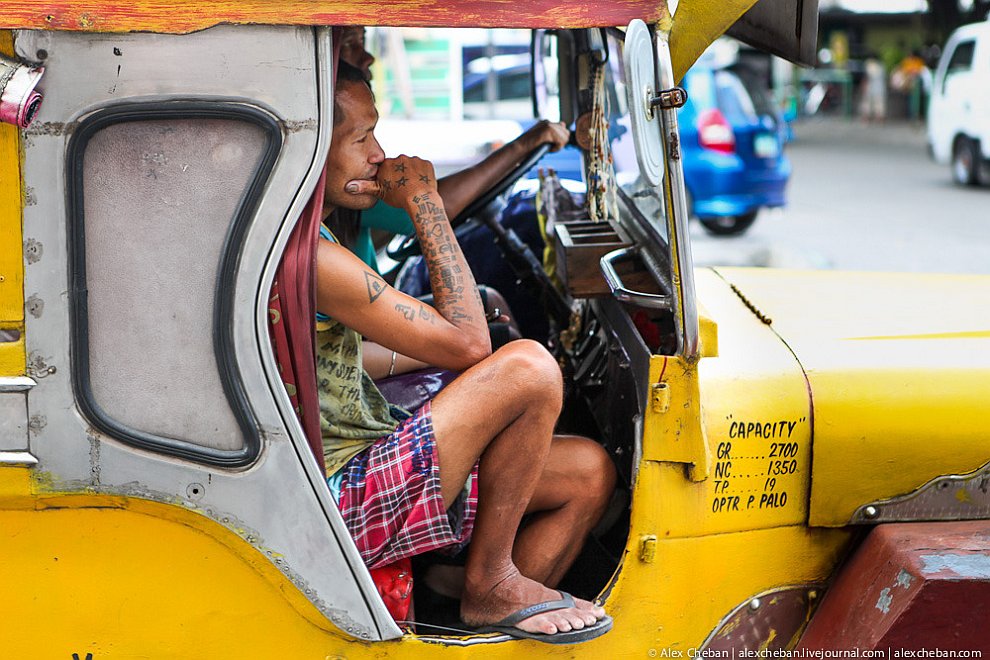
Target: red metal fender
point(910, 586)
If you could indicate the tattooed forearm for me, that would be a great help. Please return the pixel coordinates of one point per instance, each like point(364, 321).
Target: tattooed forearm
point(410, 184)
point(455, 294)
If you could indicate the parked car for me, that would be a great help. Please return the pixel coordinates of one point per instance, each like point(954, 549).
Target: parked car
point(959, 109)
point(733, 139)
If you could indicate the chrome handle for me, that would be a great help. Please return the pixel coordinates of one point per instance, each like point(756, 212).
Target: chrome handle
point(619, 291)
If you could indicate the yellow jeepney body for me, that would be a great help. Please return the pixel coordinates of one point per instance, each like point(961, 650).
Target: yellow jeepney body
point(811, 403)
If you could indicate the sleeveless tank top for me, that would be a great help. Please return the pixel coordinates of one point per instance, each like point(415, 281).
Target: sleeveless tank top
point(353, 412)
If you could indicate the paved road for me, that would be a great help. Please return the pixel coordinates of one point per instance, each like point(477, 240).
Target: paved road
point(863, 198)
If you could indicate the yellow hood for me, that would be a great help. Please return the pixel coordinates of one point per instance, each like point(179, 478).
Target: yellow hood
point(898, 370)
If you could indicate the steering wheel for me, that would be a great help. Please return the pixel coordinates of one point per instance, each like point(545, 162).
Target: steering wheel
point(403, 247)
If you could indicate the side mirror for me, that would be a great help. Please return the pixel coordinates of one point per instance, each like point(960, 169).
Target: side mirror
point(641, 87)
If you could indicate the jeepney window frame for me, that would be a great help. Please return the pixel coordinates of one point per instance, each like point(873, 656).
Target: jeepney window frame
point(223, 339)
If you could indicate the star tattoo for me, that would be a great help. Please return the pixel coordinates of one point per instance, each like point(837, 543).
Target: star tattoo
point(424, 178)
point(400, 167)
point(401, 182)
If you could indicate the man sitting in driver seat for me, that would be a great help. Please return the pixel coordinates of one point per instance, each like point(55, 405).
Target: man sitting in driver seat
point(479, 456)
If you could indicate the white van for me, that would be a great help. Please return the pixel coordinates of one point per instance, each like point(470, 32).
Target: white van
point(959, 112)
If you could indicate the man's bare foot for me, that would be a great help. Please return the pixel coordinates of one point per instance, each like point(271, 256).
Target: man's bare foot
point(596, 610)
point(492, 603)
point(449, 581)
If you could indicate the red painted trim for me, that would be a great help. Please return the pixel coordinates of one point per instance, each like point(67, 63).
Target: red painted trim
point(181, 16)
point(910, 586)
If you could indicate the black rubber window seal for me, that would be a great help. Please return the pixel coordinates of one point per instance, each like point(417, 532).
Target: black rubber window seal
point(223, 339)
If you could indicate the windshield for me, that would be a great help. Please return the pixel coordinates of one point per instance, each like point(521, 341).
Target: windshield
point(453, 95)
point(637, 195)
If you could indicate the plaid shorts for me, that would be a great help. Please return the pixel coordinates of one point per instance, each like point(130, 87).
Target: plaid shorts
point(390, 497)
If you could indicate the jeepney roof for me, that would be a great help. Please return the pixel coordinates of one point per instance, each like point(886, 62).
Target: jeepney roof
point(787, 28)
point(182, 16)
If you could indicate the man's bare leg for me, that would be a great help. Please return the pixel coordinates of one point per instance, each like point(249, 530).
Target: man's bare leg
point(571, 497)
point(509, 428)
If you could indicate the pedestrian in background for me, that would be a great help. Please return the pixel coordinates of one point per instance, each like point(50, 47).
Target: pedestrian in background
point(873, 92)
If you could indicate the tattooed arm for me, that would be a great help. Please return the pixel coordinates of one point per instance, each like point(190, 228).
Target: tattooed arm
point(452, 334)
point(410, 184)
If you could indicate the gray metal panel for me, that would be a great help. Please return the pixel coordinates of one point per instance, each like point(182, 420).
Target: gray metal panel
point(280, 503)
point(13, 420)
point(949, 497)
point(788, 28)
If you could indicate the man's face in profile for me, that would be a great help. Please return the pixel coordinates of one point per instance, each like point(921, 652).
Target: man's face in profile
point(354, 151)
point(352, 50)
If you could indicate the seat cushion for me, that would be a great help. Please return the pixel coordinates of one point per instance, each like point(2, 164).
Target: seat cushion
point(413, 389)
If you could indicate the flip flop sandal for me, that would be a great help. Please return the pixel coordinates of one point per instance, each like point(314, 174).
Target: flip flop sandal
point(507, 626)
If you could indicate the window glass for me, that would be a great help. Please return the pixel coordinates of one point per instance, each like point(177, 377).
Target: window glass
point(470, 86)
point(514, 85)
point(733, 99)
point(453, 74)
point(962, 57)
point(146, 186)
point(961, 61)
point(639, 192)
point(757, 90)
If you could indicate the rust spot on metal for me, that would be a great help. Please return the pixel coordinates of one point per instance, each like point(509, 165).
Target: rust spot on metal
point(53, 128)
point(33, 250)
point(37, 423)
point(674, 150)
point(38, 367)
point(94, 457)
point(298, 126)
point(35, 306)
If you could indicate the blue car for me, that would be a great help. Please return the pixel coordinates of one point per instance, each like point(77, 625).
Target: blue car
point(732, 136)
